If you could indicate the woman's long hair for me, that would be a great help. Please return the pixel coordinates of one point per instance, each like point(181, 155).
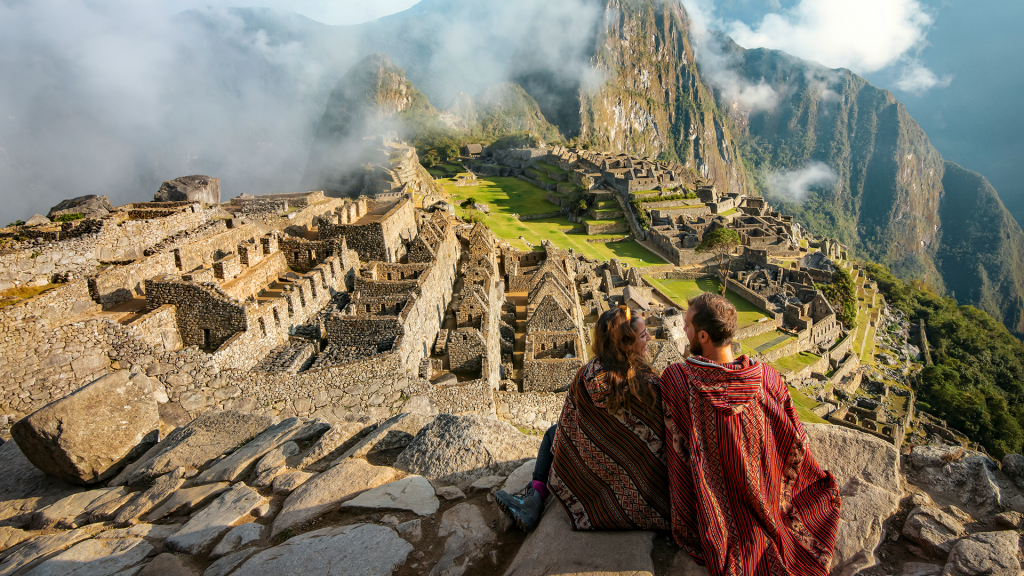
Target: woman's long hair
point(629, 373)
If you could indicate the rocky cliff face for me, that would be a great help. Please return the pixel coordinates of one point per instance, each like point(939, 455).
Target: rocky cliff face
point(892, 196)
point(622, 77)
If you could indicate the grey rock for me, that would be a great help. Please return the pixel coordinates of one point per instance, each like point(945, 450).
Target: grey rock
point(237, 537)
point(329, 489)
point(91, 206)
point(210, 523)
point(277, 457)
point(554, 548)
point(397, 427)
point(1013, 466)
point(12, 536)
point(68, 511)
point(920, 569)
point(460, 449)
point(932, 529)
point(190, 189)
point(106, 507)
point(241, 462)
point(86, 436)
point(25, 488)
point(467, 534)
point(449, 492)
point(520, 477)
point(95, 558)
point(267, 478)
point(364, 549)
point(1010, 520)
point(186, 500)
point(225, 565)
point(166, 564)
point(157, 532)
point(156, 495)
point(412, 493)
point(287, 482)
point(990, 553)
point(965, 475)
point(330, 446)
point(411, 531)
point(194, 446)
point(487, 482)
point(39, 548)
point(867, 471)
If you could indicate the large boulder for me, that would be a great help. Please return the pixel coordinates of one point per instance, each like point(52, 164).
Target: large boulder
point(956, 473)
point(554, 548)
point(194, 446)
point(90, 206)
point(190, 189)
point(461, 449)
point(933, 529)
point(991, 553)
point(85, 437)
point(867, 471)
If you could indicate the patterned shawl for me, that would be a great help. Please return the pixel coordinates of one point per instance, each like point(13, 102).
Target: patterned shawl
point(609, 472)
point(748, 497)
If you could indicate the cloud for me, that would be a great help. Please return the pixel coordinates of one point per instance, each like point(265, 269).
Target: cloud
point(794, 185)
point(332, 12)
point(916, 79)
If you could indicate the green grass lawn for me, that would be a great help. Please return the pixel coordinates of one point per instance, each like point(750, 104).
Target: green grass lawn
point(804, 405)
point(507, 196)
point(728, 212)
point(600, 212)
point(607, 205)
point(683, 290)
point(796, 362)
point(750, 345)
point(552, 168)
point(594, 222)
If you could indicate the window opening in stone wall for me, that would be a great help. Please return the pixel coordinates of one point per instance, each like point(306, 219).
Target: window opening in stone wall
point(302, 297)
point(263, 327)
point(312, 286)
point(277, 318)
point(295, 256)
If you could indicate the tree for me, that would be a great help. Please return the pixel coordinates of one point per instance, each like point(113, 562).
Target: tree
point(587, 182)
point(842, 294)
point(451, 151)
point(720, 242)
point(431, 158)
point(468, 202)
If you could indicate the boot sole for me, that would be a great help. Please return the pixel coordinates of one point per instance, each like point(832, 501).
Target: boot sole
point(515, 517)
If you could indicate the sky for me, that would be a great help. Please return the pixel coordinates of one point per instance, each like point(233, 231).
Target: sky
point(332, 12)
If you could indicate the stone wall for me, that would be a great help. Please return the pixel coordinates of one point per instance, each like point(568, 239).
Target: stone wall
point(208, 250)
point(206, 316)
point(529, 410)
point(258, 277)
point(382, 237)
point(611, 228)
point(473, 397)
point(120, 283)
point(545, 368)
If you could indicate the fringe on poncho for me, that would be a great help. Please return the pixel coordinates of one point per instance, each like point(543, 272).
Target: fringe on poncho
point(610, 471)
point(748, 497)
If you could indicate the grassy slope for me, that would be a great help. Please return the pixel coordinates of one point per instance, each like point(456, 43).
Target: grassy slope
point(507, 196)
point(683, 290)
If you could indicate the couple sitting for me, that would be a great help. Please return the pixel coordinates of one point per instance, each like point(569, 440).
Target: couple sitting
point(712, 450)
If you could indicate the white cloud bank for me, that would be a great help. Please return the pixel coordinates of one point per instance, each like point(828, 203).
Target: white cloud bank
point(794, 185)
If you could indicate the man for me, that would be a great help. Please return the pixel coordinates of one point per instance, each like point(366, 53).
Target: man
point(748, 497)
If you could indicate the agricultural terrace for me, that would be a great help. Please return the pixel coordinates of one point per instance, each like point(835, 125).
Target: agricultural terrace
point(680, 291)
point(803, 406)
point(507, 196)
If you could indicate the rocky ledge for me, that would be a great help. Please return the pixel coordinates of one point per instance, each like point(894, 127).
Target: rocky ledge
point(86, 491)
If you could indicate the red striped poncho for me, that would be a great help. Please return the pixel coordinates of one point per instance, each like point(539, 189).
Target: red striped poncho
point(609, 471)
point(748, 497)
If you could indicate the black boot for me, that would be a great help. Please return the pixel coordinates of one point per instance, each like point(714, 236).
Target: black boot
point(525, 506)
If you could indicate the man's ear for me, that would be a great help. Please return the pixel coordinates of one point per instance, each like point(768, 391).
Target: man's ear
point(703, 336)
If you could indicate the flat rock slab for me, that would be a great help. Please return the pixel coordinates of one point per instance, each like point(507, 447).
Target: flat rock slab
point(241, 462)
point(933, 529)
point(520, 477)
point(402, 424)
point(158, 532)
point(553, 548)
point(487, 482)
point(209, 524)
point(466, 534)
point(364, 549)
point(329, 489)
point(277, 457)
point(460, 449)
point(966, 475)
point(330, 446)
point(225, 565)
point(287, 482)
point(188, 499)
point(86, 436)
point(867, 471)
point(157, 494)
point(25, 488)
point(95, 558)
point(166, 565)
point(38, 548)
point(11, 536)
point(236, 538)
point(104, 507)
point(194, 446)
point(68, 511)
point(410, 493)
point(989, 553)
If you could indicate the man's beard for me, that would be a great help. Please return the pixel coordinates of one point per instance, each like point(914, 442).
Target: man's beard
point(695, 349)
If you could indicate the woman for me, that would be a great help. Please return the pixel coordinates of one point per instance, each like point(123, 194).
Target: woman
point(605, 460)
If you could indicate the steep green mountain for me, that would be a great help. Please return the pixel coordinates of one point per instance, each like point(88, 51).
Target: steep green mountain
point(892, 198)
point(981, 249)
point(620, 75)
